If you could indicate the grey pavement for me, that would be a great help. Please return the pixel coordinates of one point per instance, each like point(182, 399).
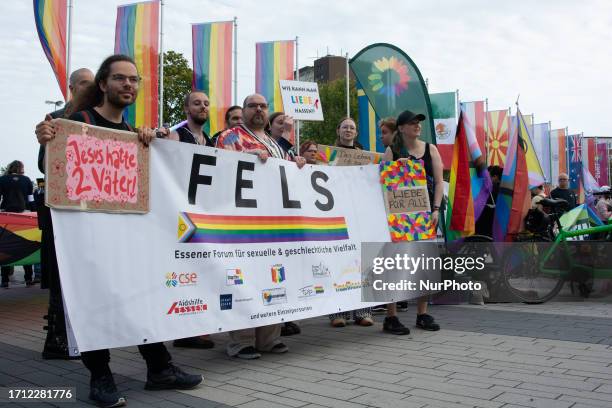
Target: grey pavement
point(498, 355)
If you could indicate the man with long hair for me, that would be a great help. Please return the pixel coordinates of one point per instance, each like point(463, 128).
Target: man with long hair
point(115, 87)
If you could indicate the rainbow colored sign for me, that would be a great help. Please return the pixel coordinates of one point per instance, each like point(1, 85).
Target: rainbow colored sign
point(236, 229)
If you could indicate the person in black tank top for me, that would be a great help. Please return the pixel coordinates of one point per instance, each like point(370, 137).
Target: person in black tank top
point(406, 144)
point(196, 108)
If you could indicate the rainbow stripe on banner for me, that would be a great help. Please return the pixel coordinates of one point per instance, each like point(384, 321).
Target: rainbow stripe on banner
point(137, 35)
point(274, 61)
point(212, 68)
point(235, 229)
point(50, 18)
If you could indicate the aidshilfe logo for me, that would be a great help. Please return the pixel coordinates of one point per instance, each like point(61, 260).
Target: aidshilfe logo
point(278, 273)
point(274, 296)
point(187, 307)
point(320, 271)
point(225, 301)
point(174, 279)
point(234, 277)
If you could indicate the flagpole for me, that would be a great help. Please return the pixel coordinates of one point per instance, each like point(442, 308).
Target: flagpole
point(161, 65)
point(297, 75)
point(348, 103)
point(68, 49)
point(487, 131)
point(235, 60)
point(550, 153)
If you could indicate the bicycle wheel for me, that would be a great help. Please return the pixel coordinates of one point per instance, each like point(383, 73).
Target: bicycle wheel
point(522, 276)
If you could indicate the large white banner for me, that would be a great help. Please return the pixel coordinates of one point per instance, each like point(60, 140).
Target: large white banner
point(229, 243)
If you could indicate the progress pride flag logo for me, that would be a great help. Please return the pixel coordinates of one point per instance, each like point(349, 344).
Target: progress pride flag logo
point(101, 170)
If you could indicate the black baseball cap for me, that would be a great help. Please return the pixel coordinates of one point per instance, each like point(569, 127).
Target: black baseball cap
point(408, 116)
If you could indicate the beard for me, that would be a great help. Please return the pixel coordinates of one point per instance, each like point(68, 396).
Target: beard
point(199, 119)
point(257, 122)
point(117, 100)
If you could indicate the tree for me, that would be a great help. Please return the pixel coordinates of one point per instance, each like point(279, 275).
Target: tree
point(333, 100)
point(177, 84)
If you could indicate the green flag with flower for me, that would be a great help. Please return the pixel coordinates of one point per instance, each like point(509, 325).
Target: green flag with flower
point(393, 84)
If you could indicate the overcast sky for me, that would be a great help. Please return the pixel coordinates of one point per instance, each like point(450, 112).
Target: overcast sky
point(555, 54)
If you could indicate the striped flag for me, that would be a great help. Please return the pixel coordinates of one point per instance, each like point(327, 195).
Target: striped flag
point(602, 165)
point(137, 35)
point(589, 153)
point(534, 169)
point(475, 113)
point(541, 144)
point(574, 160)
point(513, 200)
point(558, 154)
point(275, 60)
point(212, 68)
point(469, 183)
point(497, 137)
point(369, 132)
point(444, 111)
point(50, 19)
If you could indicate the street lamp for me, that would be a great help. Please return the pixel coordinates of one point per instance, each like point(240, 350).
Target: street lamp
point(56, 103)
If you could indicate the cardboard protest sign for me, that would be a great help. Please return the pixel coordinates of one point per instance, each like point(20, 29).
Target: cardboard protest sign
point(340, 156)
point(90, 168)
point(406, 199)
point(301, 100)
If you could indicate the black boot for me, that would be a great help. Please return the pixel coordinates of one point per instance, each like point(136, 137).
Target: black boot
point(56, 343)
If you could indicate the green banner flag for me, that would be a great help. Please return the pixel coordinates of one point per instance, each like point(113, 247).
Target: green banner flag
point(393, 84)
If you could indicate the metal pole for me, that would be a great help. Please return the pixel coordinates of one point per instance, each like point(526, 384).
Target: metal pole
point(68, 50)
point(161, 65)
point(486, 124)
point(297, 75)
point(235, 60)
point(348, 99)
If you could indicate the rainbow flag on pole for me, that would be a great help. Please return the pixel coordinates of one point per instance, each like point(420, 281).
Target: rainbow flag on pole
point(50, 18)
point(212, 68)
point(137, 35)
point(275, 60)
point(469, 184)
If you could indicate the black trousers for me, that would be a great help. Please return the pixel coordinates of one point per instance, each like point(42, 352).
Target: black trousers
point(155, 354)
point(6, 271)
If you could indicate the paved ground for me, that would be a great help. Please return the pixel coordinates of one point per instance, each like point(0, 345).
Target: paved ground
point(505, 355)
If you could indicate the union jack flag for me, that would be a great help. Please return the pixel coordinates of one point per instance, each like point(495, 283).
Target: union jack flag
point(575, 148)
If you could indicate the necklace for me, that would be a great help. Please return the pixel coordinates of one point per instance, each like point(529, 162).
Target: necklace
point(195, 138)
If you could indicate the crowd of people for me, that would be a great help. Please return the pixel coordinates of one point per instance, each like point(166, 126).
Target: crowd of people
point(100, 100)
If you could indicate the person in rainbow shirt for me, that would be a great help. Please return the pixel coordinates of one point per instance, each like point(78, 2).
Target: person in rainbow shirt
point(252, 138)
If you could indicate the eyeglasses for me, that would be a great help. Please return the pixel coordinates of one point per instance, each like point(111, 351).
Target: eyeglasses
point(124, 78)
point(563, 179)
point(253, 105)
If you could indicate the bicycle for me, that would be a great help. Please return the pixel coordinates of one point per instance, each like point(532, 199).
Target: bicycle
point(536, 271)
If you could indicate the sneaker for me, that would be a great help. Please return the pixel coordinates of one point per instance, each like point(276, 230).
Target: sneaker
point(172, 378)
point(402, 306)
point(248, 353)
point(104, 391)
point(394, 326)
point(198, 342)
point(426, 322)
point(379, 309)
point(279, 348)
